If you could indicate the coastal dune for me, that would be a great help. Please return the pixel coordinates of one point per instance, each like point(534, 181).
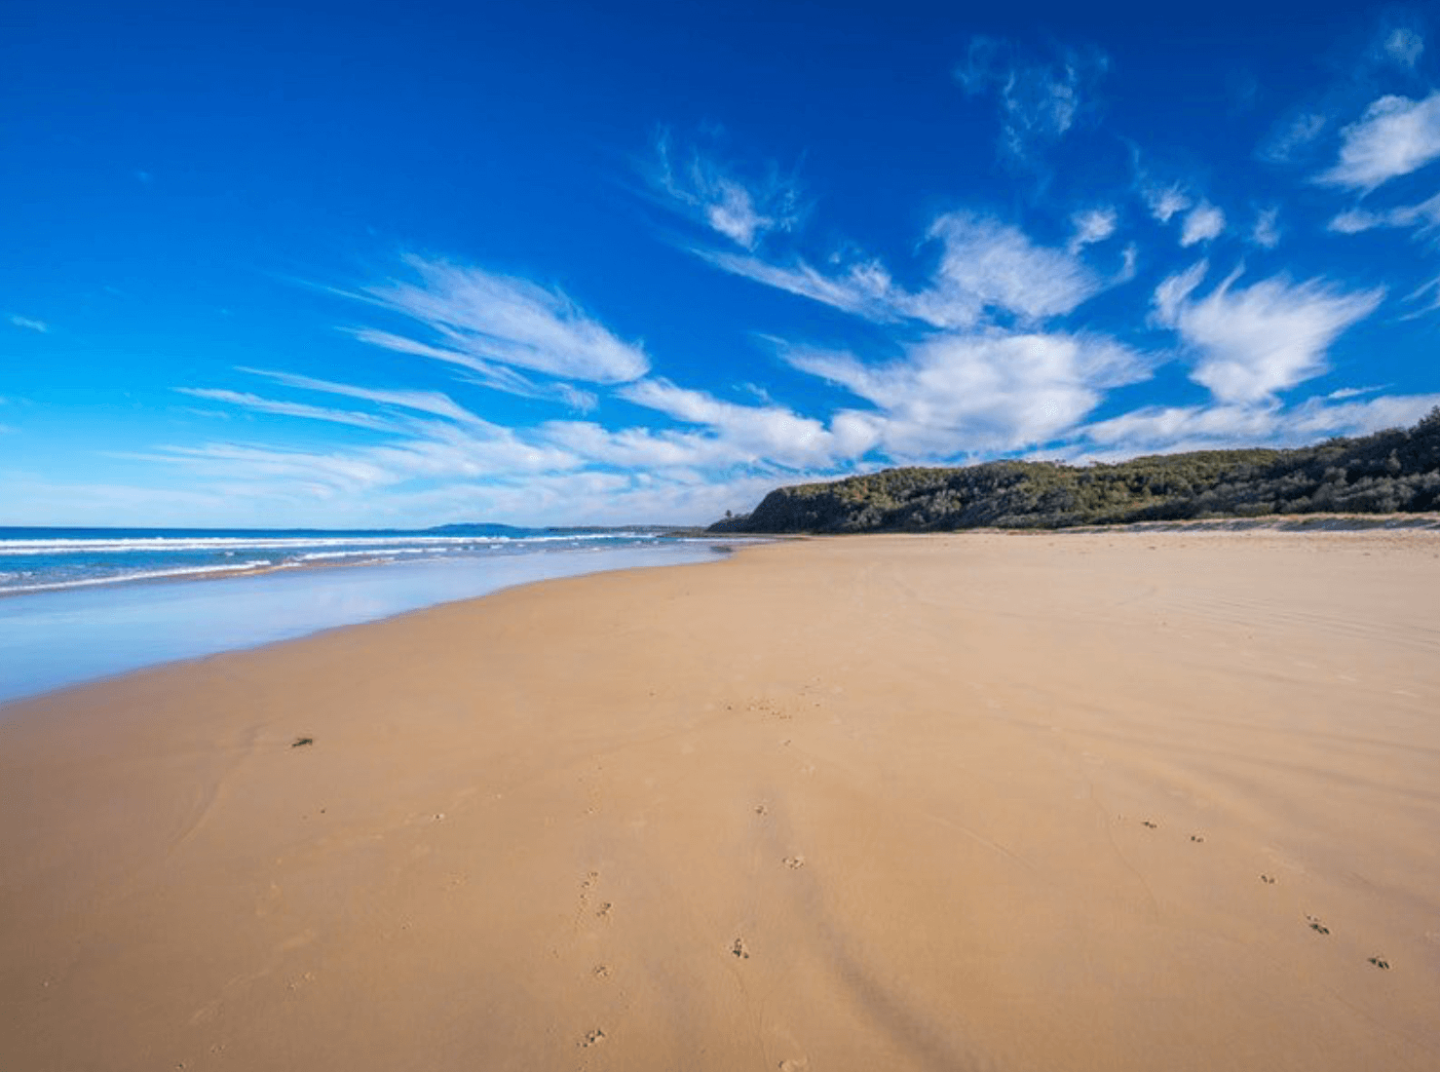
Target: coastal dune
point(1098, 801)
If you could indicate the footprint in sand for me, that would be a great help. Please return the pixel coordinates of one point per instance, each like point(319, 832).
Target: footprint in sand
point(601, 971)
point(740, 950)
point(795, 862)
point(591, 1038)
point(795, 1064)
point(1197, 838)
point(1149, 824)
point(1316, 925)
point(1269, 880)
point(1381, 963)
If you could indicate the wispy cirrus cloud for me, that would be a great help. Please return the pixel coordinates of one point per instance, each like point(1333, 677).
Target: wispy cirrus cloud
point(1425, 217)
point(1165, 202)
point(862, 288)
point(714, 196)
point(1202, 223)
point(1039, 101)
point(1172, 429)
point(497, 325)
point(278, 407)
point(986, 268)
point(987, 265)
point(1401, 46)
point(957, 394)
point(435, 403)
point(757, 433)
point(1266, 231)
point(1249, 343)
point(1091, 225)
point(1394, 137)
point(1294, 136)
point(28, 323)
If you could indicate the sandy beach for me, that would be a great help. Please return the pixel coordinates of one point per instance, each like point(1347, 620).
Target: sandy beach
point(1105, 802)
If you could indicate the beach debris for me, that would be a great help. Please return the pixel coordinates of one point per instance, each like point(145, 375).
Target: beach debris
point(1381, 963)
point(301, 742)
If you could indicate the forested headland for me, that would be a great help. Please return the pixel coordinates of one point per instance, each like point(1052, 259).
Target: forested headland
point(1394, 471)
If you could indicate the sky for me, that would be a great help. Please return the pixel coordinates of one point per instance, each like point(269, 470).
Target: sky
point(370, 265)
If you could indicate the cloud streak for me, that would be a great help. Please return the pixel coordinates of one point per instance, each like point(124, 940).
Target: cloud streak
point(959, 394)
point(1202, 223)
point(1250, 343)
point(1038, 102)
point(29, 324)
point(1394, 137)
point(497, 325)
point(714, 197)
point(986, 269)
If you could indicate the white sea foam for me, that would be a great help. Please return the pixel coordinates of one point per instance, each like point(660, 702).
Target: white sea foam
point(148, 575)
point(60, 546)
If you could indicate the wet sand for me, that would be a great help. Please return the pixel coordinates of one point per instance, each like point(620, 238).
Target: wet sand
point(1101, 801)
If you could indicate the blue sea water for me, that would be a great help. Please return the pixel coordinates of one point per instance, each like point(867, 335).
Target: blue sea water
point(79, 604)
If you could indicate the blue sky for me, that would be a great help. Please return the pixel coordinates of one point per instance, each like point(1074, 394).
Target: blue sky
point(402, 265)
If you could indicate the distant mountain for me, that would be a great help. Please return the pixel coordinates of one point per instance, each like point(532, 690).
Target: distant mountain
point(1395, 471)
point(480, 530)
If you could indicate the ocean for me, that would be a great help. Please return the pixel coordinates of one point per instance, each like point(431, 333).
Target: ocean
point(81, 604)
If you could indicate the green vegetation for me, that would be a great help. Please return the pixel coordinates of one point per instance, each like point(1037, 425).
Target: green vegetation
point(1395, 471)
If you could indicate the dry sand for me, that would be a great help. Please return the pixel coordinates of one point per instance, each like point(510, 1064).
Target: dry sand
point(1129, 801)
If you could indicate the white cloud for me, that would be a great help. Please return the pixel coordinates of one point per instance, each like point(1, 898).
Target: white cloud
point(1165, 201)
point(1314, 418)
point(493, 324)
point(1424, 216)
point(985, 268)
point(1431, 288)
point(987, 265)
point(1294, 136)
point(753, 433)
point(1039, 101)
point(1266, 232)
point(1091, 226)
point(1252, 342)
point(1172, 292)
point(434, 403)
point(1202, 223)
point(711, 195)
point(1403, 47)
point(959, 394)
point(29, 324)
point(1172, 429)
point(863, 289)
point(1355, 220)
point(290, 409)
point(1394, 137)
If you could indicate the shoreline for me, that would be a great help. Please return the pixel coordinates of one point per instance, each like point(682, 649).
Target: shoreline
point(960, 801)
point(92, 632)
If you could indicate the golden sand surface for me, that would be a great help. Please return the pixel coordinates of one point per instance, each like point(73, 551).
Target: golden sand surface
point(1108, 801)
